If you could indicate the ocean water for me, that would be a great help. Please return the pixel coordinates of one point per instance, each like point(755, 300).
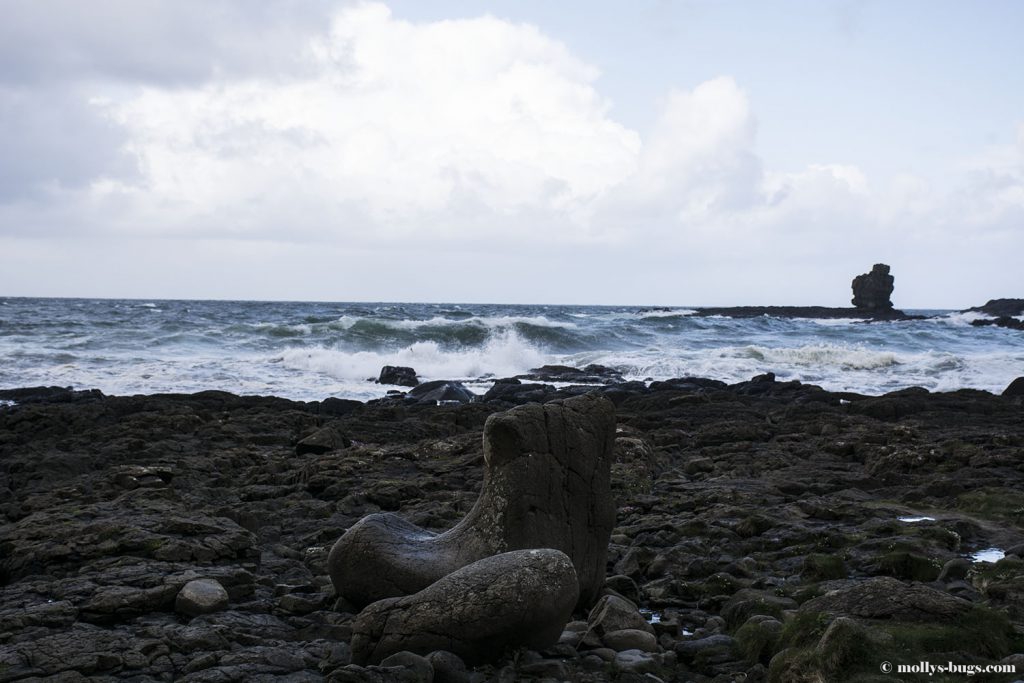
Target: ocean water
point(313, 350)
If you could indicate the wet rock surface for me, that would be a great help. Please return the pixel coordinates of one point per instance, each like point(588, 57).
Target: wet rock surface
point(767, 530)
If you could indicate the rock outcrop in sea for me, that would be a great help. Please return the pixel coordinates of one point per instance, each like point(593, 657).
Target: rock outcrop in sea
point(872, 291)
point(1005, 313)
point(871, 301)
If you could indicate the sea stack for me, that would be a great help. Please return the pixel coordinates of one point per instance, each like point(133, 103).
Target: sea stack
point(871, 291)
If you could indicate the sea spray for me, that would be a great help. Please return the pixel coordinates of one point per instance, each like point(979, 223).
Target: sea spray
point(502, 355)
point(309, 350)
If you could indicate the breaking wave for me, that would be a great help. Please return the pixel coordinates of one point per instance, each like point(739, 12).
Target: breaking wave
point(311, 350)
point(501, 356)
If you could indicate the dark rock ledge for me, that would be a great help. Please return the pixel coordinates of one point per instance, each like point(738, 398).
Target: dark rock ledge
point(770, 531)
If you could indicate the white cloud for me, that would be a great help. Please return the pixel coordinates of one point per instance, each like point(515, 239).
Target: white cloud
point(454, 125)
point(995, 189)
point(351, 129)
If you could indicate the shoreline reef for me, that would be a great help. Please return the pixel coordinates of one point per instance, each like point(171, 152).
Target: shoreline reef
point(766, 530)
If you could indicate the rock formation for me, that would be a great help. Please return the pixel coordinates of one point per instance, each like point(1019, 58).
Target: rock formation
point(399, 375)
point(546, 485)
point(998, 308)
point(871, 291)
point(441, 390)
point(110, 505)
point(520, 598)
point(1015, 388)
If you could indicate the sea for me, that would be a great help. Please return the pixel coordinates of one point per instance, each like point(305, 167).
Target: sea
point(314, 350)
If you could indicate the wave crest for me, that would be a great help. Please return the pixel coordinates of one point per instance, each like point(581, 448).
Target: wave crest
point(823, 356)
point(502, 355)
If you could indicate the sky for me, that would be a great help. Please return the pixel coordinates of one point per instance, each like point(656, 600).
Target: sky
point(693, 152)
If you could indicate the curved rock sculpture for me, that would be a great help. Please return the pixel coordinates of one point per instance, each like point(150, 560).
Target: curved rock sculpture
point(546, 485)
point(524, 597)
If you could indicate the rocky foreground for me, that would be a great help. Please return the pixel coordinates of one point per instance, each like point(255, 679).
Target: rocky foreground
point(764, 530)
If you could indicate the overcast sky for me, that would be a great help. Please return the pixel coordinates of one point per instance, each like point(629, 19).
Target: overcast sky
point(650, 152)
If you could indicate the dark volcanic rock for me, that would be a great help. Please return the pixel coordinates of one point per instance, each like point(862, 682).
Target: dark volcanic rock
point(398, 375)
point(441, 390)
point(515, 392)
point(323, 440)
point(884, 597)
point(590, 374)
point(871, 291)
point(546, 486)
point(1016, 388)
point(733, 505)
point(998, 308)
point(515, 599)
point(1002, 321)
point(49, 395)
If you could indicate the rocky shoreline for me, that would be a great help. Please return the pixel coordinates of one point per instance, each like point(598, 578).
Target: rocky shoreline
point(766, 530)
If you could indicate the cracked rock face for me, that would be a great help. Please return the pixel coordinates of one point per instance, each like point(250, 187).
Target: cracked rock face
point(546, 486)
point(519, 598)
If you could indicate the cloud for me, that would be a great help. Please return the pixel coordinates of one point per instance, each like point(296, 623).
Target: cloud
point(153, 41)
point(463, 126)
point(322, 129)
point(58, 56)
point(995, 188)
point(52, 138)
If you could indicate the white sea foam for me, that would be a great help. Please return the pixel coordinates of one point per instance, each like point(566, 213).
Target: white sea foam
point(833, 366)
point(503, 355)
point(493, 322)
point(247, 348)
point(960, 318)
point(821, 356)
point(667, 313)
point(831, 322)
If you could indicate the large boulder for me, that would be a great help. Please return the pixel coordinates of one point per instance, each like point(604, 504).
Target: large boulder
point(398, 375)
point(441, 390)
point(546, 485)
point(871, 291)
point(1015, 388)
point(883, 597)
point(517, 599)
point(201, 596)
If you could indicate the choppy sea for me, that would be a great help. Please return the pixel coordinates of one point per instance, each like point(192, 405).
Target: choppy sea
point(312, 350)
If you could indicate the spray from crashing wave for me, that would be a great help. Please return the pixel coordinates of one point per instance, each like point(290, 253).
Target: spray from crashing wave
point(312, 350)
